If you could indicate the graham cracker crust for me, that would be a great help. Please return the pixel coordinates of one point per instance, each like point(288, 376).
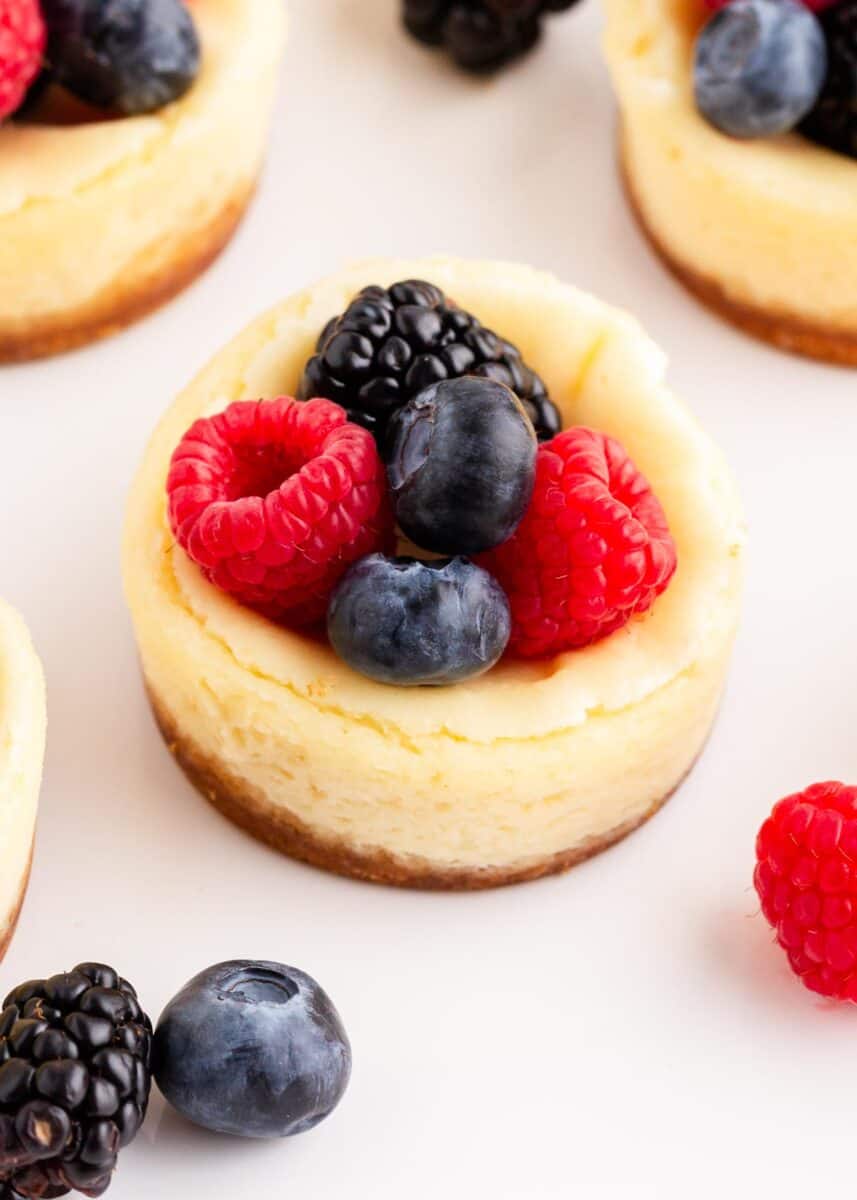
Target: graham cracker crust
point(285, 832)
point(140, 291)
point(6, 938)
point(782, 330)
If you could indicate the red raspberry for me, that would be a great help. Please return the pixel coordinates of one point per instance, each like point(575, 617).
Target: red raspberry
point(593, 550)
point(274, 499)
point(806, 877)
point(22, 44)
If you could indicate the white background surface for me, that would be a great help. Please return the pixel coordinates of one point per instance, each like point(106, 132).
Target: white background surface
point(624, 1031)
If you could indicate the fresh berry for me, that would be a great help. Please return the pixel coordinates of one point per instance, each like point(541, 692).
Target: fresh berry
point(759, 67)
point(814, 5)
point(806, 877)
point(130, 56)
point(390, 343)
point(406, 622)
point(461, 465)
point(593, 550)
point(480, 34)
point(833, 121)
point(254, 1049)
point(22, 45)
point(74, 1081)
point(274, 499)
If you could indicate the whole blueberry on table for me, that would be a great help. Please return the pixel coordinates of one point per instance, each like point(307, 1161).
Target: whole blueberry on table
point(461, 464)
point(131, 56)
point(254, 1049)
point(405, 622)
point(759, 67)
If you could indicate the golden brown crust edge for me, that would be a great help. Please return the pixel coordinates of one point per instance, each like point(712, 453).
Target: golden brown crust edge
point(122, 304)
point(6, 938)
point(785, 331)
point(285, 832)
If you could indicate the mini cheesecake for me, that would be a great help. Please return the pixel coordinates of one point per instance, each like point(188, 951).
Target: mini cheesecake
point(22, 748)
point(102, 220)
point(763, 231)
point(526, 770)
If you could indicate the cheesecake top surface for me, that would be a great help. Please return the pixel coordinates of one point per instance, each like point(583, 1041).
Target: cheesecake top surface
point(602, 371)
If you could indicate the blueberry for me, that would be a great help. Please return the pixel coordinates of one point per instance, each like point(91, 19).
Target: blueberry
point(406, 622)
point(760, 67)
point(461, 465)
point(254, 1049)
point(132, 56)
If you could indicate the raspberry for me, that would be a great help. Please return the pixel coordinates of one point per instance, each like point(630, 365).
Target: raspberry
point(274, 499)
point(22, 44)
point(806, 877)
point(593, 550)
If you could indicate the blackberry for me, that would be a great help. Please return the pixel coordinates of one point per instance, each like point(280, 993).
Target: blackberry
point(833, 121)
point(74, 1082)
point(480, 34)
point(390, 343)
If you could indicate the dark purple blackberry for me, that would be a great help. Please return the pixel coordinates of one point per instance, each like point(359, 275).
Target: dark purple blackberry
point(74, 1082)
point(390, 343)
point(480, 34)
point(833, 121)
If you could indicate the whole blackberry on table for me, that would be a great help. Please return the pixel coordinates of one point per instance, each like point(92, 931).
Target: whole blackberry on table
point(74, 1082)
point(833, 121)
point(390, 343)
point(480, 34)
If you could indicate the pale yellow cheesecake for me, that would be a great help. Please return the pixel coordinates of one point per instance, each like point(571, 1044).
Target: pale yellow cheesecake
point(765, 231)
point(103, 220)
point(524, 771)
point(22, 748)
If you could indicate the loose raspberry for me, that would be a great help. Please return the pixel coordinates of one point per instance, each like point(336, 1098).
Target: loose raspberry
point(274, 499)
point(593, 550)
point(806, 877)
point(22, 44)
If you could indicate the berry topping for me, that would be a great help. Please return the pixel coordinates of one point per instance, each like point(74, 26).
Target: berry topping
point(22, 44)
point(806, 877)
point(833, 121)
point(391, 343)
point(461, 465)
point(74, 1082)
point(254, 1049)
point(274, 499)
point(407, 622)
point(132, 56)
point(593, 550)
point(759, 67)
point(480, 34)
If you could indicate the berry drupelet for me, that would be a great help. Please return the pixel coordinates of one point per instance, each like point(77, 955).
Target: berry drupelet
point(833, 120)
point(74, 1082)
point(481, 35)
point(390, 343)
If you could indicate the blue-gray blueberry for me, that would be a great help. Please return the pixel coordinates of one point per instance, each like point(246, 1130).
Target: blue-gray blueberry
point(461, 465)
point(406, 622)
point(759, 67)
point(254, 1049)
point(130, 56)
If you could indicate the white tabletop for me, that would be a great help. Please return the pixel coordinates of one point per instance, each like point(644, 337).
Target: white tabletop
point(626, 1030)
